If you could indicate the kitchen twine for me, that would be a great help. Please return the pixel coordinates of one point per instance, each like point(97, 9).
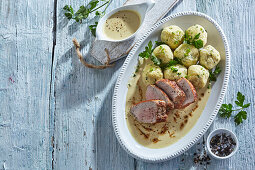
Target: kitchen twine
point(77, 47)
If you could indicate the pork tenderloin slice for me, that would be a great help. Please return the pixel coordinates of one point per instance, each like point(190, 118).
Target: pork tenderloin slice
point(173, 91)
point(189, 90)
point(150, 111)
point(153, 92)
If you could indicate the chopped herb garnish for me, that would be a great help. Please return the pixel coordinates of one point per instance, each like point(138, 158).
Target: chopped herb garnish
point(196, 42)
point(162, 49)
point(174, 70)
point(176, 42)
point(226, 109)
point(187, 52)
point(179, 74)
point(151, 69)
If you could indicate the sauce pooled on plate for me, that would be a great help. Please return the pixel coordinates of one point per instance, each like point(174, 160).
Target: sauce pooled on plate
point(122, 24)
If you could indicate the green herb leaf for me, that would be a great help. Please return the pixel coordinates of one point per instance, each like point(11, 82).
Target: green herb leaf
point(198, 43)
point(226, 110)
point(240, 99)
point(246, 105)
point(93, 28)
point(242, 115)
point(197, 36)
point(147, 53)
point(173, 69)
point(158, 43)
point(155, 60)
point(187, 52)
point(213, 74)
point(84, 11)
point(69, 14)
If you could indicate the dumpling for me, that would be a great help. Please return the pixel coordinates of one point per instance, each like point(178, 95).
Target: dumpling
point(198, 75)
point(196, 32)
point(175, 72)
point(164, 53)
point(209, 57)
point(151, 73)
point(187, 54)
point(172, 36)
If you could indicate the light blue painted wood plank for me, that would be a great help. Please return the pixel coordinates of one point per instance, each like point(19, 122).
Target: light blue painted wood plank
point(84, 136)
point(237, 20)
point(25, 60)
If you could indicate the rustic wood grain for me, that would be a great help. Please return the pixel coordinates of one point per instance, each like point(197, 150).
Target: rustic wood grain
point(25, 64)
point(57, 114)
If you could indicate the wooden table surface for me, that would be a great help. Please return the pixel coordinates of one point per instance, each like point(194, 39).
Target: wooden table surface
point(56, 114)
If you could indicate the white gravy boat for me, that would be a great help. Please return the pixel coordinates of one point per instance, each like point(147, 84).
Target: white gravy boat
point(141, 9)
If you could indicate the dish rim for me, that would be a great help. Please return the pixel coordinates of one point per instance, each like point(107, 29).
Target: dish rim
point(212, 116)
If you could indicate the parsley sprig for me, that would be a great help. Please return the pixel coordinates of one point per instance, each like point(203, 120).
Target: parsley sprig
point(193, 41)
point(147, 53)
point(213, 74)
point(85, 11)
point(227, 109)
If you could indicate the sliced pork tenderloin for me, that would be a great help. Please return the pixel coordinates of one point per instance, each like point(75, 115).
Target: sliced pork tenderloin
point(189, 90)
point(150, 111)
point(153, 92)
point(173, 91)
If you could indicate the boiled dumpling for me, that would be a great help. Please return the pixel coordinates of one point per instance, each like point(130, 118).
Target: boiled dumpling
point(172, 36)
point(175, 72)
point(151, 73)
point(164, 53)
point(187, 54)
point(198, 75)
point(209, 57)
point(195, 33)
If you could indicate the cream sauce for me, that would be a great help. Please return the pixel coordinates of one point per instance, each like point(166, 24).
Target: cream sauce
point(163, 134)
point(122, 24)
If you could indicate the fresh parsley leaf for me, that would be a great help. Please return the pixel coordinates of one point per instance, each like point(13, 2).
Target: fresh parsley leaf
point(169, 64)
point(198, 43)
point(155, 60)
point(197, 36)
point(85, 11)
point(158, 43)
point(147, 52)
point(93, 28)
point(242, 115)
point(226, 110)
point(213, 74)
point(240, 99)
point(69, 14)
point(193, 41)
point(246, 105)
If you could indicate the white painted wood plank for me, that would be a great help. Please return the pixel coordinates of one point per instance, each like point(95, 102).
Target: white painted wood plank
point(83, 134)
point(25, 62)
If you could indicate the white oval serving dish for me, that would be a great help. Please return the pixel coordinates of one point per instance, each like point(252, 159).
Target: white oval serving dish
point(217, 38)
